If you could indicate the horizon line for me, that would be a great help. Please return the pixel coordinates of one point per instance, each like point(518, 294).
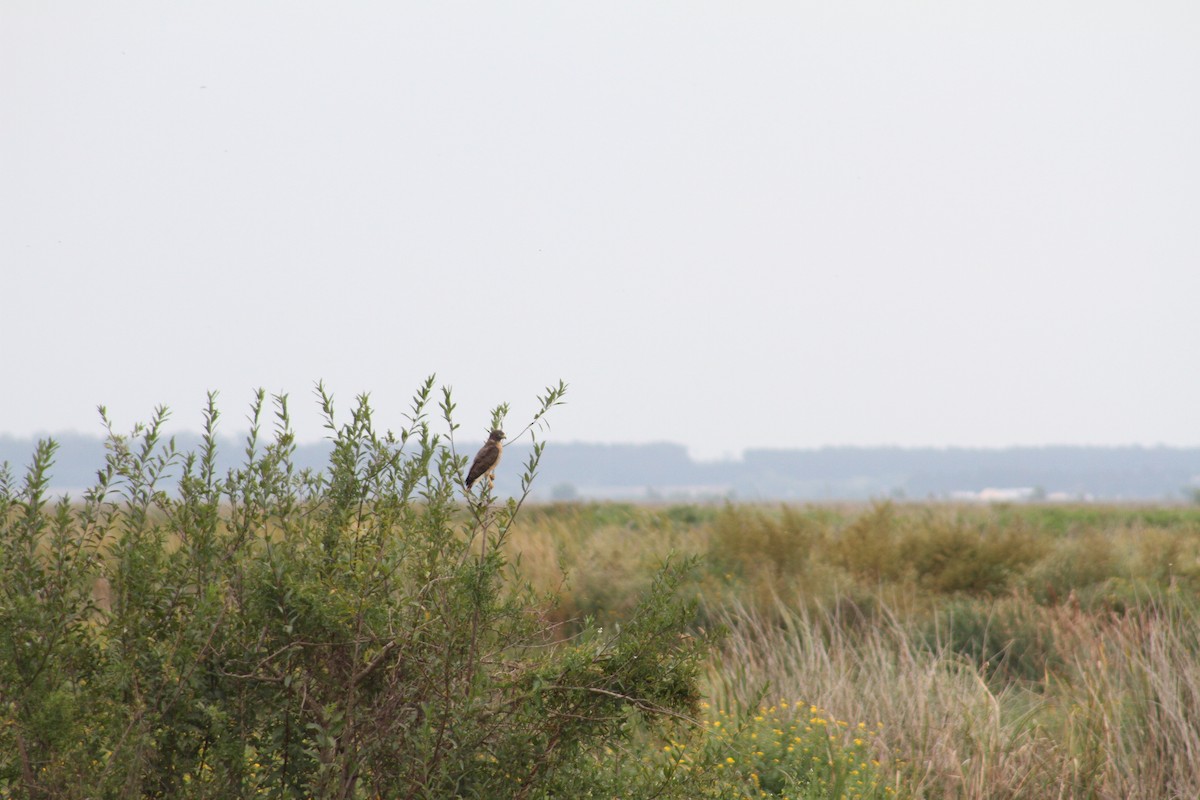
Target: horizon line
point(732, 454)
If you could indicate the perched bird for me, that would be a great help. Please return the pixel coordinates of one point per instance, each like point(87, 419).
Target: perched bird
point(487, 458)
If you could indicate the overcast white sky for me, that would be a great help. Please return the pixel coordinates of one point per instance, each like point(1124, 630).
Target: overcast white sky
point(726, 225)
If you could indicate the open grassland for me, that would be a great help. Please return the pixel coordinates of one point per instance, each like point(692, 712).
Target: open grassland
point(371, 631)
point(374, 630)
point(918, 650)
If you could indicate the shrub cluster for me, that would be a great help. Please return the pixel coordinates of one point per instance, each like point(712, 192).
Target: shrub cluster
point(917, 556)
point(349, 633)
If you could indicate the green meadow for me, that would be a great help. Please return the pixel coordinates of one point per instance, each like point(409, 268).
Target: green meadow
point(373, 631)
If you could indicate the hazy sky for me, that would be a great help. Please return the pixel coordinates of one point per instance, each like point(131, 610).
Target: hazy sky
point(726, 225)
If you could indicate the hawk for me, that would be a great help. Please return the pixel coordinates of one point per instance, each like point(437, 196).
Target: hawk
point(487, 458)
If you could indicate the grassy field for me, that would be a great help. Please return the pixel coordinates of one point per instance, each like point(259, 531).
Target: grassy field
point(375, 630)
point(918, 650)
point(372, 631)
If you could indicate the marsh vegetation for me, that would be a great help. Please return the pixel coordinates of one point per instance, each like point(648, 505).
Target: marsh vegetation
point(372, 630)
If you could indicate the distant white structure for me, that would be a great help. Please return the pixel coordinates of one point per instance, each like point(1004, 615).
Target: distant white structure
point(654, 494)
point(1021, 494)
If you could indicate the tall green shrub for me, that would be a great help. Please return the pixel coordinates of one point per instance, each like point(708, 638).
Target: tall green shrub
point(346, 633)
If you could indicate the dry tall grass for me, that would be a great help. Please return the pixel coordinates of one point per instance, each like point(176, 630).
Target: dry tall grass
point(1120, 719)
point(1007, 652)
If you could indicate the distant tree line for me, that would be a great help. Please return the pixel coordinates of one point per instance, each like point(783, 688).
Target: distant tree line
point(830, 473)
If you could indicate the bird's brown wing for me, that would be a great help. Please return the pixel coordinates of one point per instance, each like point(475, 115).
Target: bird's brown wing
point(485, 459)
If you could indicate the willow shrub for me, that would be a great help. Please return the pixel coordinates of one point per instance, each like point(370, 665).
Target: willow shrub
point(345, 633)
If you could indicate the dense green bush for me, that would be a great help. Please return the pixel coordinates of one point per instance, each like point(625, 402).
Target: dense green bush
point(756, 544)
point(349, 633)
point(868, 546)
point(949, 554)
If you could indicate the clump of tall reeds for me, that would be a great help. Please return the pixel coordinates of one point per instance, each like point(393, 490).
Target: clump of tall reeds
point(1116, 715)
